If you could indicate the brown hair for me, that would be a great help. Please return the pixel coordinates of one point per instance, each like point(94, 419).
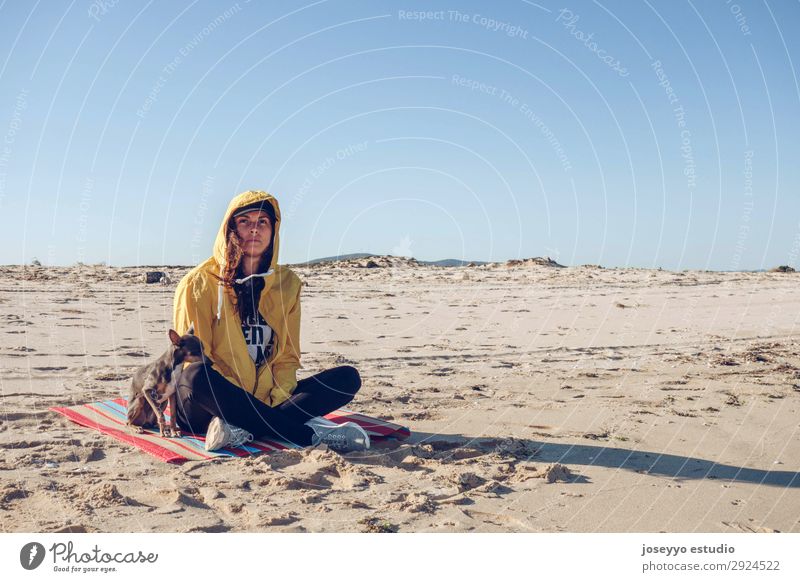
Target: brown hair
point(249, 292)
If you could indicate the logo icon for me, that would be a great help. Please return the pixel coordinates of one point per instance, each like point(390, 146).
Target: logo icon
point(31, 555)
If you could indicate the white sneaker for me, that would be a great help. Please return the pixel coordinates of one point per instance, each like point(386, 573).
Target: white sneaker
point(221, 434)
point(342, 438)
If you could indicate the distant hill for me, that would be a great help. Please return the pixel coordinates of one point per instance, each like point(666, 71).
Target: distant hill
point(336, 258)
point(440, 263)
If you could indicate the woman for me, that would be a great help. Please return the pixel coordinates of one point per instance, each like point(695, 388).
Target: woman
point(246, 312)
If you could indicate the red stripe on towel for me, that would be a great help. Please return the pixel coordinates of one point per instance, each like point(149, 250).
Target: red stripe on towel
point(371, 424)
point(145, 445)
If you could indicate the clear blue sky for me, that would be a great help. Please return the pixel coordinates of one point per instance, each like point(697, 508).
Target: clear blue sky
point(656, 133)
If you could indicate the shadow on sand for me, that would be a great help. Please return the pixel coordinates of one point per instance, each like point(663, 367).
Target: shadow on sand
point(644, 462)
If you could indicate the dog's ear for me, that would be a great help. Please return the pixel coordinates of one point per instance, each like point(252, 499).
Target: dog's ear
point(174, 338)
point(190, 331)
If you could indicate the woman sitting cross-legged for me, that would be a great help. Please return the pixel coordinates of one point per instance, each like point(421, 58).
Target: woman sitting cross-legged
point(246, 312)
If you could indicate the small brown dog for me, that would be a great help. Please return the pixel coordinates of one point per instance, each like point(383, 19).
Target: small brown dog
point(152, 384)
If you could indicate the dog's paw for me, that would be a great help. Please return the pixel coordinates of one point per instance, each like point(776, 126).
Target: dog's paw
point(170, 432)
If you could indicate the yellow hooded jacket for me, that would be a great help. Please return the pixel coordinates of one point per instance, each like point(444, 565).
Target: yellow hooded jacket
point(202, 299)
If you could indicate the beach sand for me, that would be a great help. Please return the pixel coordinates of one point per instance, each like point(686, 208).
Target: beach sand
point(541, 399)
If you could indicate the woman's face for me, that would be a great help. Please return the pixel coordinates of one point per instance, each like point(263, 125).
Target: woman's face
point(255, 232)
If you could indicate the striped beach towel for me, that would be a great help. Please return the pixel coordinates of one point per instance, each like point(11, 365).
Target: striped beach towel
point(110, 417)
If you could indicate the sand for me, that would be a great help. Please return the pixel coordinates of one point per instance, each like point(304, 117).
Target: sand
point(541, 399)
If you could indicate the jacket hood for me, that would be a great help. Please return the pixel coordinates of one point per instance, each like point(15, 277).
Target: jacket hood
point(240, 201)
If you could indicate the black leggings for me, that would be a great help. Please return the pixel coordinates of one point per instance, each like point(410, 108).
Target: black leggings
point(204, 393)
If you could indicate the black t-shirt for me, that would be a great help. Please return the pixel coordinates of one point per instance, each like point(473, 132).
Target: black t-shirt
point(259, 337)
